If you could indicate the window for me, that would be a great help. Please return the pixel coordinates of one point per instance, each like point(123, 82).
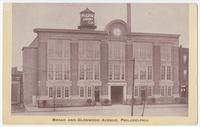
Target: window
point(89, 72)
point(185, 74)
point(166, 90)
point(97, 71)
point(51, 92)
point(116, 50)
point(142, 50)
point(110, 72)
point(168, 73)
point(165, 52)
point(184, 59)
point(66, 72)
point(142, 74)
point(82, 74)
point(59, 92)
point(116, 72)
point(122, 72)
point(82, 92)
point(89, 91)
point(136, 91)
point(58, 48)
point(50, 72)
point(149, 72)
point(89, 50)
point(169, 91)
point(162, 91)
point(66, 92)
point(162, 72)
point(58, 75)
point(149, 91)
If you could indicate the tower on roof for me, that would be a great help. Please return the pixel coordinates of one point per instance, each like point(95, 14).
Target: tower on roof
point(87, 19)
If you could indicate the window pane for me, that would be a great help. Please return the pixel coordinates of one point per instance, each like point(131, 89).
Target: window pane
point(50, 92)
point(162, 72)
point(168, 73)
point(162, 91)
point(58, 92)
point(89, 91)
point(142, 74)
point(50, 72)
point(97, 75)
point(169, 91)
point(89, 72)
point(82, 72)
point(116, 72)
point(82, 92)
point(149, 72)
point(136, 91)
point(58, 72)
point(66, 72)
point(110, 71)
point(149, 91)
point(66, 91)
point(122, 72)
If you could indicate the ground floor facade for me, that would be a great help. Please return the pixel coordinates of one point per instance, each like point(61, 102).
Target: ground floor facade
point(116, 93)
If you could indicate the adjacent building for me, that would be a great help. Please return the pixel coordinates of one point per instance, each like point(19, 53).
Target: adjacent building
point(17, 87)
point(69, 67)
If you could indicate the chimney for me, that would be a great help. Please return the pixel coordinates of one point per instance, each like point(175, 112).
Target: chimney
point(129, 16)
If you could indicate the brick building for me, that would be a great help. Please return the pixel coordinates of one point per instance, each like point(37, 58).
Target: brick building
point(71, 66)
point(17, 87)
point(183, 72)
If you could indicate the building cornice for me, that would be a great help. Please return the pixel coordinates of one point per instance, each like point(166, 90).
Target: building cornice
point(72, 31)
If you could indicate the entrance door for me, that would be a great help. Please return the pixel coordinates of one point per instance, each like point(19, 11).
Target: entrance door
point(117, 94)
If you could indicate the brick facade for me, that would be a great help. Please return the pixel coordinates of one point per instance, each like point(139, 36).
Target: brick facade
point(113, 80)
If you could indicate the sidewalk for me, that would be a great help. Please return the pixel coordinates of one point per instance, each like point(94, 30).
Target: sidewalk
point(90, 108)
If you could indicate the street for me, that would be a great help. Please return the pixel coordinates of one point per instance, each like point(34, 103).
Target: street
point(114, 110)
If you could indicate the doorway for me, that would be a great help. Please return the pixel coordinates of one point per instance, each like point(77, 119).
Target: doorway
point(117, 94)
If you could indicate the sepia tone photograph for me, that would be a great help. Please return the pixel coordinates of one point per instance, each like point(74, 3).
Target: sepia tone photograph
point(105, 59)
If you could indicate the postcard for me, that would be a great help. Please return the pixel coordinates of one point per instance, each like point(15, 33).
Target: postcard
point(100, 63)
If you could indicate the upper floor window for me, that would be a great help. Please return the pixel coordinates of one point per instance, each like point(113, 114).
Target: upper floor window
point(166, 72)
point(142, 50)
point(116, 50)
point(58, 48)
point(184, 59)
point(89, 50)
point(50, 72)
point(185, 74)
point(89, 71)
point(162, 72)
point(58, 71)
point(116, 71)
point(165, 52)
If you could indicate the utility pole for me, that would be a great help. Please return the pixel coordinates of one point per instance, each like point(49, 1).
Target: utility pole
point(132, 98)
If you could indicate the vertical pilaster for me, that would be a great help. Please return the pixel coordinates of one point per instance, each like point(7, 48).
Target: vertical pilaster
point(104, 67)
point(129, 66)
point(156, 69)
point(175, 70)
point(74, 57)
point(42, 67)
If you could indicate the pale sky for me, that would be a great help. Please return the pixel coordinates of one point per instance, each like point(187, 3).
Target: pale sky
point(148, 18)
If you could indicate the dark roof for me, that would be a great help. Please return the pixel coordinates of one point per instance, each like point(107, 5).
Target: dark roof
point(87, 11)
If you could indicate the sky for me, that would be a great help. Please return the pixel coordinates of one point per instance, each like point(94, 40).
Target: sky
point(147, 18)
